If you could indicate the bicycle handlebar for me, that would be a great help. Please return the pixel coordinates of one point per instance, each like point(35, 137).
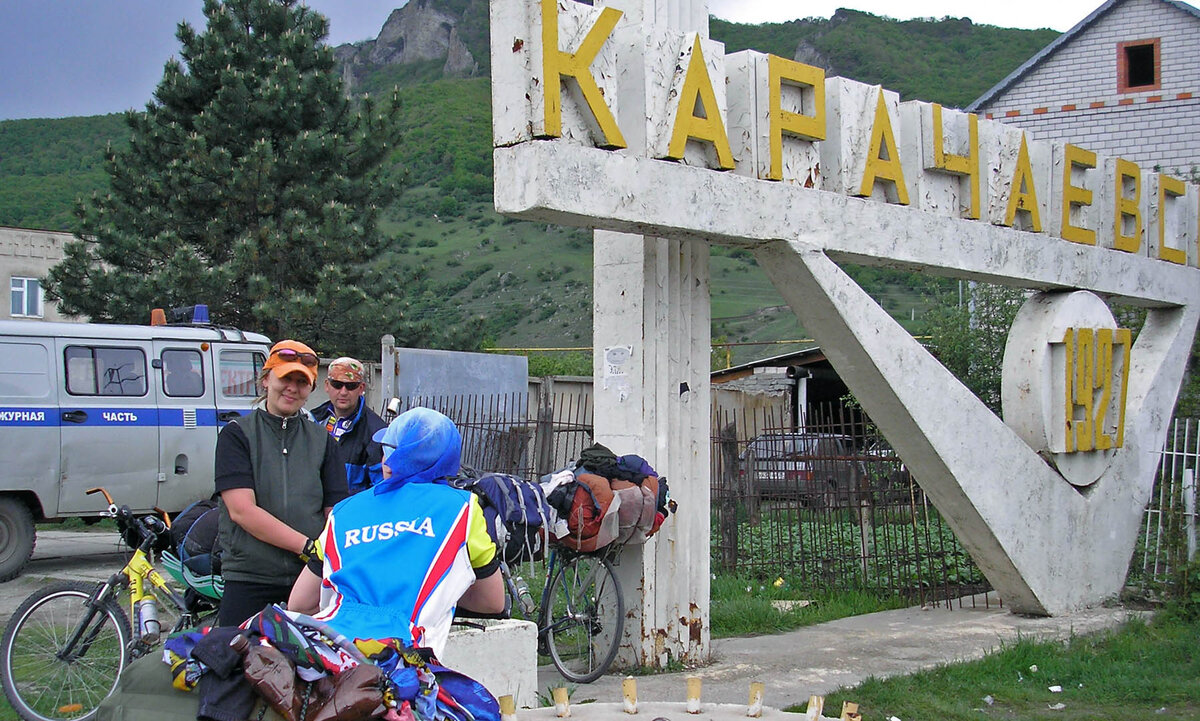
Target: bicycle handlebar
point(149, 527)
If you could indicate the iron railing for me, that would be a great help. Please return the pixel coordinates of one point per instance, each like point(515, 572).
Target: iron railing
point(827, 504)
point(1168, 538)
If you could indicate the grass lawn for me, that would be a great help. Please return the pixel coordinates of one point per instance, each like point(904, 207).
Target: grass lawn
point(1141, 670)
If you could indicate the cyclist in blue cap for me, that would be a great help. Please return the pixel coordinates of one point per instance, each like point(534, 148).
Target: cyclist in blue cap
point(395, 560)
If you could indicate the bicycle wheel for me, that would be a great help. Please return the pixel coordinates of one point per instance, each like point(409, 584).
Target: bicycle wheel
point(584, 618)
point(43, 685)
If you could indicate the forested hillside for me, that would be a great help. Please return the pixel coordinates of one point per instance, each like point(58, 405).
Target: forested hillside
point(46, 164)
point(514, 283)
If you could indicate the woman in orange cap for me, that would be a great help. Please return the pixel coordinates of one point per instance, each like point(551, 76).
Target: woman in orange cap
point(278, 474)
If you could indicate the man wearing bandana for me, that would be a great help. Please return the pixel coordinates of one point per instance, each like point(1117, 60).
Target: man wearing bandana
point(351, 423)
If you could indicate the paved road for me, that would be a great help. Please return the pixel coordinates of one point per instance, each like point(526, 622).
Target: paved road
point(64, 555)
point(820, 659)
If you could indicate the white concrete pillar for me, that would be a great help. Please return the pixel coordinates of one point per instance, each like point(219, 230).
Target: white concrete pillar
point(652, 297)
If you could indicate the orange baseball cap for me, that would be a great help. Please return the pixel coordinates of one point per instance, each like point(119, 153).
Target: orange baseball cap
point(292, 356)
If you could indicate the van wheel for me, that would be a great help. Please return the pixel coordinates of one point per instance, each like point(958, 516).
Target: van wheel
point(16, 537)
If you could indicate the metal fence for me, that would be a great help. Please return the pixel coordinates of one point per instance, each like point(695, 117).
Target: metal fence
point(1168, 538)
point(522, 435)
point(827, 504)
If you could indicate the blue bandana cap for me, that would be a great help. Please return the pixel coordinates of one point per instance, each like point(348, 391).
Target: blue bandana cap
point(420, 445)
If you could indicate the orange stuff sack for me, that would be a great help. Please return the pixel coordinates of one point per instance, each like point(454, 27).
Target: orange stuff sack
point(607, 511)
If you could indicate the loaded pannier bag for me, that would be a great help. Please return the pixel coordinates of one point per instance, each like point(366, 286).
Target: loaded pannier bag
point(605, 511)
point(516, 513)
point(194, 533)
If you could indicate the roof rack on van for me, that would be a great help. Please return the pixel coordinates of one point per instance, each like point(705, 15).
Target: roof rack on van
point(195, 316)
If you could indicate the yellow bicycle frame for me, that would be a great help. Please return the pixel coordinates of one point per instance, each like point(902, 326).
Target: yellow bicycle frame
point(138, 571)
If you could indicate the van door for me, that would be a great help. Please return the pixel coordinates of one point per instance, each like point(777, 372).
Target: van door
point(108, 421)
point(187, 418)
point(29, 418)
point(238, 368)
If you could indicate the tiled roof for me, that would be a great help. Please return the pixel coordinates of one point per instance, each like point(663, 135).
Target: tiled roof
point(1053, 47)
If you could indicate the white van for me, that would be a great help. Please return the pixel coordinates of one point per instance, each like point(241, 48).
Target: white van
point(135, 409)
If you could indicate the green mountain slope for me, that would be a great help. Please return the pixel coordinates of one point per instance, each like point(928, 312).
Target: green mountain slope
point(46, 164)
point(519, 284)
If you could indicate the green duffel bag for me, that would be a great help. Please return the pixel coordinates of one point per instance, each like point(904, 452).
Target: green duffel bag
point(144, 693)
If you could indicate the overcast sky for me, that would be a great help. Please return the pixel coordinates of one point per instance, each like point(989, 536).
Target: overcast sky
point(61, 58)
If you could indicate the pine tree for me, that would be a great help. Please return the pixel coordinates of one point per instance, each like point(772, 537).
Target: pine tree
point(250, 183)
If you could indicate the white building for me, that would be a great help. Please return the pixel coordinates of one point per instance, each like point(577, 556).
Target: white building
point(1124, 82)
point(26, 256)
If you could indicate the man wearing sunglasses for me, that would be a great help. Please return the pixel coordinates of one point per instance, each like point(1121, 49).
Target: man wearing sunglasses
point(351, 423)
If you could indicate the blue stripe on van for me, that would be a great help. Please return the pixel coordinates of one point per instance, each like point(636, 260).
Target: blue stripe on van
point(165, 417)
point(125, 416)
point(28, 417)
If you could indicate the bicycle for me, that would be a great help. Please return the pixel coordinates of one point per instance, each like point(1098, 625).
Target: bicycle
point(581, 613)
point(66, 644)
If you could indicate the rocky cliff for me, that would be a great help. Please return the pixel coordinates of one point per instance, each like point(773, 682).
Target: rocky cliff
point(422, 30)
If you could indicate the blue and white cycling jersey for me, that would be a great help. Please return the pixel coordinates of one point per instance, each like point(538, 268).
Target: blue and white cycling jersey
point(397, 561)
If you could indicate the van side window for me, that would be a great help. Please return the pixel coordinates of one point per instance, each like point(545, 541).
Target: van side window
point(94, 371)
point(183, 373)
point(238, 371)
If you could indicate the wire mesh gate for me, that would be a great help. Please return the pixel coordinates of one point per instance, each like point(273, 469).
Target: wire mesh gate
point(1168, 538)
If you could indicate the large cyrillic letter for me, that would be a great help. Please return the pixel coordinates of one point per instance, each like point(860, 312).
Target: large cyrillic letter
point(698, 96)
point(964, 165)
point(1023, 195)
point(557, 64)
point(798, 125)
point(1169, 188)
point(883, 157)
point(1128, 221)
point(1073, 195)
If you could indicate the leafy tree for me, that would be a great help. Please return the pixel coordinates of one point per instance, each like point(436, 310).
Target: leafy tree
point(249, 183)
point(968, 330)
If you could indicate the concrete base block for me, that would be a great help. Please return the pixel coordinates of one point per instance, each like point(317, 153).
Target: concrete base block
point(502, 656)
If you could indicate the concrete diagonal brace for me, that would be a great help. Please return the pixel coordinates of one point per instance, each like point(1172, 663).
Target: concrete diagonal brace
point(1046, 546)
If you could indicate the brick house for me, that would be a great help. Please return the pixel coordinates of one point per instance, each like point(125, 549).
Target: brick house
point(1124, 82)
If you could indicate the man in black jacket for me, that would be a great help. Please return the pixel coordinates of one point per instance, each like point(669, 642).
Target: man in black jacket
point(351, 423)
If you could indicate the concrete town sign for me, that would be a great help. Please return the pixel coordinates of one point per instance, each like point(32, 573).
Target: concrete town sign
point(625, 116)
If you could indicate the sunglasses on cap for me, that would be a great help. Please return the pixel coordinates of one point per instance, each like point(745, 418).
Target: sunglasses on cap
point(348, 385)
point(287, 355)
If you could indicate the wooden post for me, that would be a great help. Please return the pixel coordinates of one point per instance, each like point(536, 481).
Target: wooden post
point(508, 708)
point(693, 694)
point(816, 704)
point(562, 702)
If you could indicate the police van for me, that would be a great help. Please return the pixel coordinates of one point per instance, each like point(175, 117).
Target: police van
point(135, 409)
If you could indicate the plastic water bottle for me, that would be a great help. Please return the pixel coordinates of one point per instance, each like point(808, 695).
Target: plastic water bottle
point(148, 626)
point(524, 597)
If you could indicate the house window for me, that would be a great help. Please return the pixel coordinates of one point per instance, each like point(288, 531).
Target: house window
point(1138, 66)
point(26, 298)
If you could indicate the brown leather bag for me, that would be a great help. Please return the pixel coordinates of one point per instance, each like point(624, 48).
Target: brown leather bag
point(355, 694)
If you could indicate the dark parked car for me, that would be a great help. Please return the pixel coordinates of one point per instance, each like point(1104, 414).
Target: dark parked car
point(821, 470)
